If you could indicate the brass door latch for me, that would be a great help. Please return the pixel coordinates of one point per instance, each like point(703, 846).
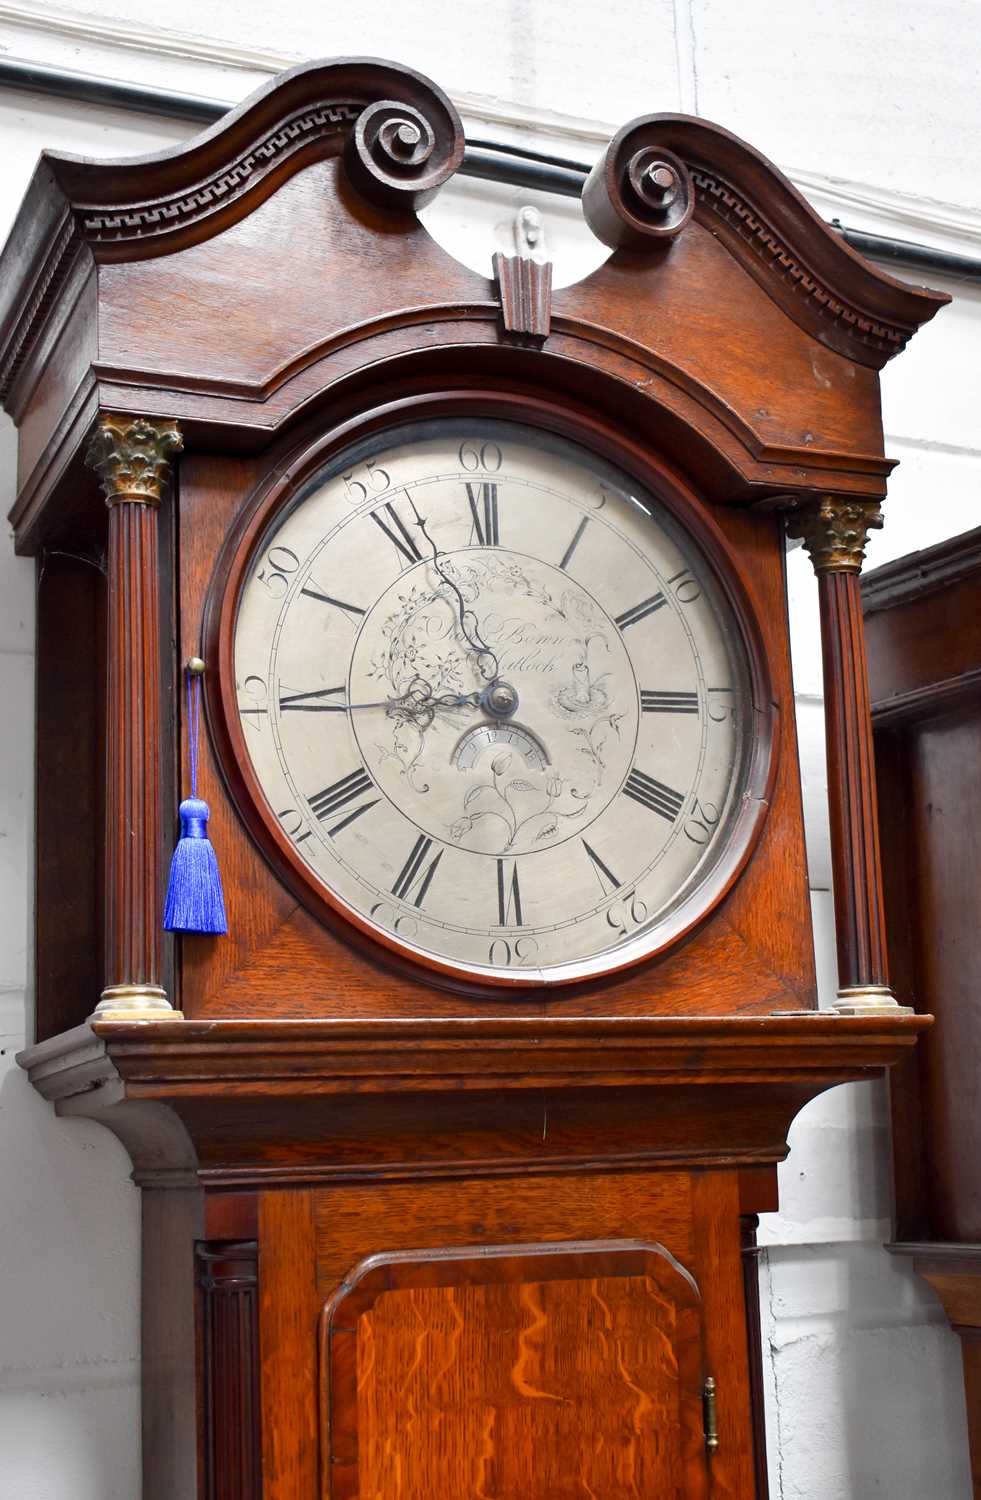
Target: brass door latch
point(710, 1416)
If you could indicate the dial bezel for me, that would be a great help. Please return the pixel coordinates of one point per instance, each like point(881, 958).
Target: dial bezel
point(279, 491)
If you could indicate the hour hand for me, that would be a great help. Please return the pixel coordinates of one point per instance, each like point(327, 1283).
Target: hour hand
point(418, 702)
point(458, 700)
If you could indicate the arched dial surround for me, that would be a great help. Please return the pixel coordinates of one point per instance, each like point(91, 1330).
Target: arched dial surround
point(495, 699)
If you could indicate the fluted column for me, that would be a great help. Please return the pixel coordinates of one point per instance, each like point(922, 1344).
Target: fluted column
point(132, 456)
point(228, 1279)
point(835, 531)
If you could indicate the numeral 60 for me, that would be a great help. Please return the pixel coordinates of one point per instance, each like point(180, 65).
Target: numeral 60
point(487, 457)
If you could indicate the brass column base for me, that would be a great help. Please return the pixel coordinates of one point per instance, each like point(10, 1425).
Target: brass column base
point(135, 1002)
point(870, 1000)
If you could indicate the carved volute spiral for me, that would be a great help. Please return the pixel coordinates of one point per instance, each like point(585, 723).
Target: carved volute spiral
point(399, 155)
point(638, 194)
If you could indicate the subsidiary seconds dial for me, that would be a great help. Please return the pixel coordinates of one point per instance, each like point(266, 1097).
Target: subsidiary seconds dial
point(497, 701)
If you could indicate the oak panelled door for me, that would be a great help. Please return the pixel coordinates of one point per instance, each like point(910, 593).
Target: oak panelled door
point(522, 1372)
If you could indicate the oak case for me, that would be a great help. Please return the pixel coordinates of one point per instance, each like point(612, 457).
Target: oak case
point(357, 1168)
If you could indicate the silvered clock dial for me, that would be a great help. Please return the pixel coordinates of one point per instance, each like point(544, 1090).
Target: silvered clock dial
point(497, 700)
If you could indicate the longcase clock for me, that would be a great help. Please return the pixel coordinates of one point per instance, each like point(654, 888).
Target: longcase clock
point(450, 1148)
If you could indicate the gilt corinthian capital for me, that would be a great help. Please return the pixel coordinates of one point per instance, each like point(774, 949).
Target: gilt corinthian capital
point(835, 531)
point(132, 456)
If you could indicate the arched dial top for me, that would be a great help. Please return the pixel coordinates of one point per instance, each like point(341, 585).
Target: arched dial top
point(496, 700)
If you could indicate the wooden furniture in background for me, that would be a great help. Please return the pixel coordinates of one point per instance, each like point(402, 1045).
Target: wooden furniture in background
point(923, 623)
point(393, 1217)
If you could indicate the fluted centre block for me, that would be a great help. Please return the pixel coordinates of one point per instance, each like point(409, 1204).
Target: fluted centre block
point(525, 279)
point(835, 532)
point(132, 457)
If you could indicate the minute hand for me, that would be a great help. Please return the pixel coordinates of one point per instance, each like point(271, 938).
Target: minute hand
point(487, 661)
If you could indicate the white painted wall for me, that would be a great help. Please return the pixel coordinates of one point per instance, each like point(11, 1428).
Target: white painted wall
point(874, 108)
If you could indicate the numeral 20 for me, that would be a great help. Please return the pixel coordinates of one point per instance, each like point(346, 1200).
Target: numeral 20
point(704, 816)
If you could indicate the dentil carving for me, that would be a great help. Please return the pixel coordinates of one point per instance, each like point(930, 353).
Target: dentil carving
point(132, 457)
point(747, 221)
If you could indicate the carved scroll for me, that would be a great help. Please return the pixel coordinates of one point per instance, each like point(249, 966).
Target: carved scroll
point(639, 195)
point(400, 154)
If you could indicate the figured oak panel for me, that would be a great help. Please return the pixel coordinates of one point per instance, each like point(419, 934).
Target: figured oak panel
point(454, 1213)
point(521, 1372)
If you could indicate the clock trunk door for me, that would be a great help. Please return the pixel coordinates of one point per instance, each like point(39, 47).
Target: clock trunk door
point(521, 1372)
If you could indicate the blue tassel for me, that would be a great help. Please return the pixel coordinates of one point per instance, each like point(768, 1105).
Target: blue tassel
point(195, 901)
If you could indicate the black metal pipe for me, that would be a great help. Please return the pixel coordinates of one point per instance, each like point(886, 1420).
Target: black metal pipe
point(498, 164)
point(37, 78)
point(905, 252)
point(528, 153)
point(491, 160)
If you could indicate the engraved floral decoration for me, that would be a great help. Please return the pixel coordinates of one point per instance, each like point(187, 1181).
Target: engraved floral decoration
point(521, 806)
point(585, 697)
point(559, 655)
point(421, 642)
